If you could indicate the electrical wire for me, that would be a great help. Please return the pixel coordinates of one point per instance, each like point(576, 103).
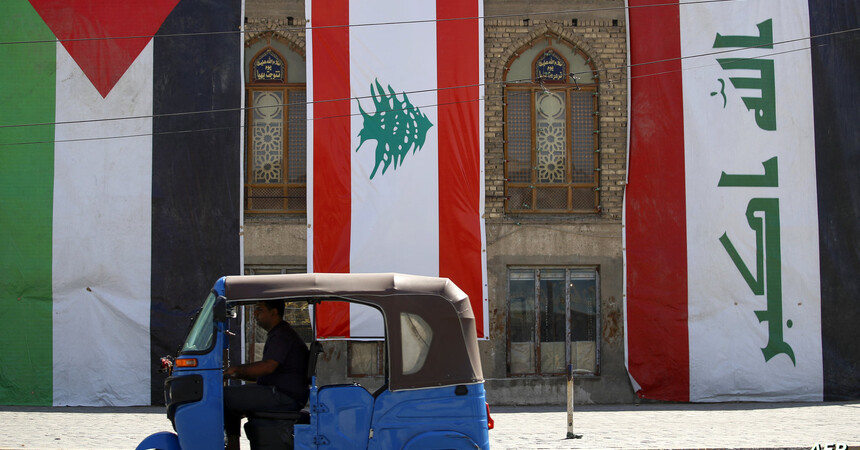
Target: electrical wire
point(370, 24)
point(621, 78)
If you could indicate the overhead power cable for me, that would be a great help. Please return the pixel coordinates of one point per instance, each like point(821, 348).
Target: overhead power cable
point(626, 67)
point(369, 24)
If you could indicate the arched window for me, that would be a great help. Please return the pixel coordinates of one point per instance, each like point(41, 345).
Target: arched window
point(551, 130)
point(275, 177)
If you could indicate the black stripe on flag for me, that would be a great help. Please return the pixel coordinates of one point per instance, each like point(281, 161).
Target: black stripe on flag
point(836, 90)
point(196, 167)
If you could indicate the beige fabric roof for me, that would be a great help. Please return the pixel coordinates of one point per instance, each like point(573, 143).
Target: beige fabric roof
point(453, 356)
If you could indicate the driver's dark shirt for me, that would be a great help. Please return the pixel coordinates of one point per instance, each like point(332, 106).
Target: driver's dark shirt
point(285, 346)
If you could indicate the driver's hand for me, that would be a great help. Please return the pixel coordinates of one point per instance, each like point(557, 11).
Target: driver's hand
point(230, 372)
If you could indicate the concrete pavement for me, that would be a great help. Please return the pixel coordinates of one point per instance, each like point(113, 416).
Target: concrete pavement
point(648, 426)
point(680, 426)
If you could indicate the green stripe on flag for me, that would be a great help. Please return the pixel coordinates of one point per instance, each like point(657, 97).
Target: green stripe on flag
point(27, 96)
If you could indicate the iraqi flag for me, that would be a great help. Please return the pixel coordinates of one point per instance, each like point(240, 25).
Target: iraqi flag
point(119, 189)
point(741, 208)
point(395, 147)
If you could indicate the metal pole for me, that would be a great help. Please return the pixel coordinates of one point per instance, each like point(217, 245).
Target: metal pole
point(570, 395)
point(570, 434)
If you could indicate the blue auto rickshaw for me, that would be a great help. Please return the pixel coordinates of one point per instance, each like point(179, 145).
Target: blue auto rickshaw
point(433, 396)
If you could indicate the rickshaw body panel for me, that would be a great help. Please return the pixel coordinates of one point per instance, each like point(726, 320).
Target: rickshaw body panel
point(342, 416)
point(200, 425)
point(401, 417)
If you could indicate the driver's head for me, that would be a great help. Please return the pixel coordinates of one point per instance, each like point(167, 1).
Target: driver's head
point(269, 313)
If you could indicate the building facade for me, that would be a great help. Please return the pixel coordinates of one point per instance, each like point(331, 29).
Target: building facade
point(555, 110)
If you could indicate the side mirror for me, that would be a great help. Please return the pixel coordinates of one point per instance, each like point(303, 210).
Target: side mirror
point(223, 311)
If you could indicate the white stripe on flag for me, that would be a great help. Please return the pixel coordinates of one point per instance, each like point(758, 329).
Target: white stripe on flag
point(726, 337)
point(365, 322)
point(395, 219)
point(102, 238)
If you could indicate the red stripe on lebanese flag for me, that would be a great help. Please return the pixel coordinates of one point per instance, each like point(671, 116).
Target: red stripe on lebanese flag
point(460, 151)
point(330, 160)
point(655, 208)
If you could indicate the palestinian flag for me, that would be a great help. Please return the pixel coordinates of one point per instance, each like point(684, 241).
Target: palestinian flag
point(395, 147)
point(741, 211)
point(119, 191)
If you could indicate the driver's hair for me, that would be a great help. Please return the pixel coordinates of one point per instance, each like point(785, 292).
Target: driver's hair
point(275, 304)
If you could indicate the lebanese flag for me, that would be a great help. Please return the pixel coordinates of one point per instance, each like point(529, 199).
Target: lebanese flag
point(117, 208)
point(741, 201)
point(395, 148)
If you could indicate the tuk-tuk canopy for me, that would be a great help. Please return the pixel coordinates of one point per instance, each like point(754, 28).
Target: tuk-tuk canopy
point(430, 327)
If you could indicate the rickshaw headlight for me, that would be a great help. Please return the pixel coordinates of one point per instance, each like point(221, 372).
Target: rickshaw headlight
point(186, 362)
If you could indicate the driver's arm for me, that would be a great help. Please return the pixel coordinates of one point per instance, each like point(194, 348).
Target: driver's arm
point(251, 371)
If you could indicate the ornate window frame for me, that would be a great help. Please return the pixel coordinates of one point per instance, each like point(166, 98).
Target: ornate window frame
point(275, 142)
point(551, 135)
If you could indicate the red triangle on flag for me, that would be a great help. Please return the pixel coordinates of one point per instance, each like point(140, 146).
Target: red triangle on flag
point(104, 36)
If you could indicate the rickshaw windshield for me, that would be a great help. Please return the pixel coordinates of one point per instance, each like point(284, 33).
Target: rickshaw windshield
point(202, 332)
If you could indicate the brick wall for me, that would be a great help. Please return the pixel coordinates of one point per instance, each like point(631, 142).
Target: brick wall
point(292, 33)
point(605, 42)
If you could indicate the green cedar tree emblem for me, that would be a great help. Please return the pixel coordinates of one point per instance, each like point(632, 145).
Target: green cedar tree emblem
point(397, 127)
